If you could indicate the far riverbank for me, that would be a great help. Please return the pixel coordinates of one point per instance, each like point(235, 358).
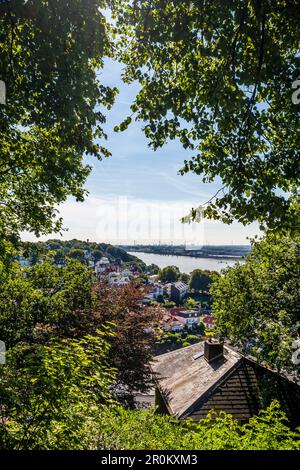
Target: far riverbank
point(186, 264)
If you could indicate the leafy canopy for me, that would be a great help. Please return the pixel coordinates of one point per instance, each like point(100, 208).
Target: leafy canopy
point(257, 303)
point(49, 56)
point(169, 274)
point(143, 430)
point(219, 76)
point(49, 392)
point(201, 279)
point(44, 301)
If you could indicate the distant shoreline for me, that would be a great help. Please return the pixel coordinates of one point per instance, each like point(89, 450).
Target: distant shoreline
point(189, 255)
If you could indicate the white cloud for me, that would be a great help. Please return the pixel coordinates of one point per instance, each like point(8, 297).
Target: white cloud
point(122, 219)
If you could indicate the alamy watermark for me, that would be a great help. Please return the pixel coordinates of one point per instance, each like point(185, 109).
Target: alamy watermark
point(2, 352)
point(296, 93)
point(126, 221)
point(2, 92)
point(296, 353)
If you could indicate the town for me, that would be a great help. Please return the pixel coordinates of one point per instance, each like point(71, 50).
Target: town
point(184, 299)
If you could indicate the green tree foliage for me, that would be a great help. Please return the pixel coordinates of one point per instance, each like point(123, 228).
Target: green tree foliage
point(200, 279)
point(191, 303)
point(115, 428)
point(43, 301)
point(59, 250)
point(131, 344)
point(78, 254)
point(169, 274)
point(59, 256)
point(219, 76)
point(48, 393)
point(145, 430)
point(170, 340)
point(184, 277)
point(152, 269)
point(96, 255)
point(49, 55)
point(257, 303)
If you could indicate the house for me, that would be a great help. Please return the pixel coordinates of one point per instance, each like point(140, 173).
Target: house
point(208, 375)
point(156, 291)
point(101, 265)
point(173, 323)
point(127, 273)
point(178, 291)
point(191, 317)
point(176, 310)
point(117, 279)
point(209, 322)
point(167, 289)
point(24, 262)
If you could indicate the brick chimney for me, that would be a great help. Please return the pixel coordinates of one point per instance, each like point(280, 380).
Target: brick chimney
point(212, 350)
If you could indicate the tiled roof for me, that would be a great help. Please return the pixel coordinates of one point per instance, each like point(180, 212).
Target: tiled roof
point(183, 379)
point(209, 320)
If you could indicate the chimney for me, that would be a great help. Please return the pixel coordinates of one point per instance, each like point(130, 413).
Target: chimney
point(212, 350)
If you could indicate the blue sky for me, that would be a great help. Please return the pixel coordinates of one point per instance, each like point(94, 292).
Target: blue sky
point(137, 194)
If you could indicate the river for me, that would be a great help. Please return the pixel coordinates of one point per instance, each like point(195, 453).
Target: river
point(186, 264)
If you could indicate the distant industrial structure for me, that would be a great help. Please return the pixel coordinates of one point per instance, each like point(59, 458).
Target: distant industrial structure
point(206, 251)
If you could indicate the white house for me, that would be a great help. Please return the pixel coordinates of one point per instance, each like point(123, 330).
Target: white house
point(189, 317)
point(23, 261)
point(167, 289)
point(156, 291)
point(209, 322)
point(126, 272)
point(117, 280)
point(173, 323)
point(101, 265)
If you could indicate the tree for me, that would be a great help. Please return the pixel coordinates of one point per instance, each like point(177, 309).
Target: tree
point(131, 343)
point(96, 255)
point(184, 277)
point(47, 302)
point(77, 253)
point(222, 78)
point(169, 274)
point(257, 303)
point(59, 256)
point(200, 280)
point(50, 393)
point(152, 269)
point(191, 303)
point(50, 53)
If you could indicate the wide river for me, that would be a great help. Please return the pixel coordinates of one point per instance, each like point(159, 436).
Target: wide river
point(186, 264)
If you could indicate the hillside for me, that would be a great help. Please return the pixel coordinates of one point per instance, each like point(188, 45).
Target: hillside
point(78, 249)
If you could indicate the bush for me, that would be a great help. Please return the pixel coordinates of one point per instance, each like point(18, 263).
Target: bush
point(146, 430)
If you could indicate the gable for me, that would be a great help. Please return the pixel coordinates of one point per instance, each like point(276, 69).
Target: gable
point(245, 391)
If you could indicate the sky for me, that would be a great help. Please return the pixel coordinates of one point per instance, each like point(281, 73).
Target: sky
point(136, 195)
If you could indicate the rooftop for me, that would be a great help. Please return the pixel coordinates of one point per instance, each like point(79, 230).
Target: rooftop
point(209, 320)
point(183, 376)
point(180, 285)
